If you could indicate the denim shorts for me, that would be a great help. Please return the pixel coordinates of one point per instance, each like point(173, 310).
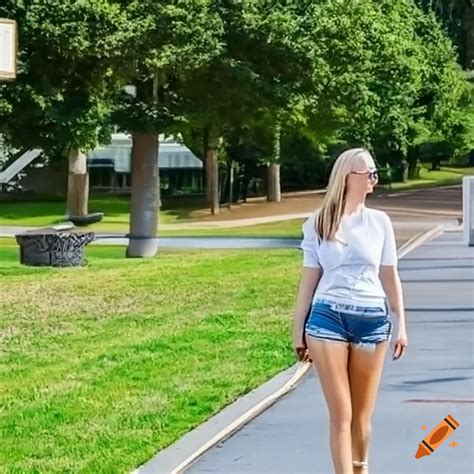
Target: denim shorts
point(358, 325)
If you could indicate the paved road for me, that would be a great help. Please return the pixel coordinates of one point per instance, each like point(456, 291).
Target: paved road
point(403, 232)
point(291, 437)
point(441, 202)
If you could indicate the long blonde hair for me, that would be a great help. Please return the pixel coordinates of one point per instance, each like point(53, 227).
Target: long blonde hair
point(334, 201)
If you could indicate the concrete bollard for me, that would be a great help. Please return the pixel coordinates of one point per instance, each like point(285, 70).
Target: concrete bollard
point(468, 209)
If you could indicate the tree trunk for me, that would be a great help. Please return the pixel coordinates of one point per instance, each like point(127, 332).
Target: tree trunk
point(212, 169)
point(78, 184)
point(212, 173)
point(273, 170)
point(145, 196)
point(273, 183)
point(231, 184)
point(205, 162)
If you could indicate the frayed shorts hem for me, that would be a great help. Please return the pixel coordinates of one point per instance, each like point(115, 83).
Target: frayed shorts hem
point(320, 337)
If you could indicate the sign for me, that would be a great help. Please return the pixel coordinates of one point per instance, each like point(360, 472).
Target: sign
point(8, 49)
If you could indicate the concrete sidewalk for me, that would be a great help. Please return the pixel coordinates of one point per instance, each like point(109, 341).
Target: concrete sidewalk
point(403, 232)
point(405, 219)
point(402, 220)
point(433, 380)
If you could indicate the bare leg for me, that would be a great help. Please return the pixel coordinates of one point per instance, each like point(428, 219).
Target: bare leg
point(330, 361)
point(365, 370)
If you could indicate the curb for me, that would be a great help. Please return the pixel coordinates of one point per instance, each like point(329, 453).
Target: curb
point(237, 424)
point(181, 454)
point(234, 417)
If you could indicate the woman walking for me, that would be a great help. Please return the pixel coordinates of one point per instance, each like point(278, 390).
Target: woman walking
point(342, 322)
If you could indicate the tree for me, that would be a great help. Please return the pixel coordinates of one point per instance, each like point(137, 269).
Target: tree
point(171, 40)
point(368, 72)
point(263, 65)
point(304, 160)
point(382, 73)
point(445, 93)
point(458, 17)
point(64, 93)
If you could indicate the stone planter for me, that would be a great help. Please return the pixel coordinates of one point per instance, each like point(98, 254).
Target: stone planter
point(46, 247)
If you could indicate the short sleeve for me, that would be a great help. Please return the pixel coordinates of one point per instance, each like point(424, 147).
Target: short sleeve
point(310, 243)
point(389, 251)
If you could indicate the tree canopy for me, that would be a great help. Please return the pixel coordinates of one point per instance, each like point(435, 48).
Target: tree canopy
point(380, 74)
point(68, 77)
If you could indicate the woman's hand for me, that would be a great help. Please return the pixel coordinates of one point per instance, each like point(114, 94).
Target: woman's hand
point(393, 288)
point(308, 283)
point(300, 348)
point(400, 344)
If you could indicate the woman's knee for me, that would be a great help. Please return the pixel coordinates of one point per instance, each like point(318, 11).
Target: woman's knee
point(362, 425)
point(341, 423)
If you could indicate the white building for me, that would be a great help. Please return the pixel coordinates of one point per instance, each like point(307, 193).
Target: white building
point(110, 166)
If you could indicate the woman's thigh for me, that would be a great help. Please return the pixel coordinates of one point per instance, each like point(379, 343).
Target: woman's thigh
point(330, 360)
point(365, 371)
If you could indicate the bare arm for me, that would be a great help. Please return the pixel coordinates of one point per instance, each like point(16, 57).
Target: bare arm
point(393, 289)
point(309, 280)
point(310, 276)
point(392, 286)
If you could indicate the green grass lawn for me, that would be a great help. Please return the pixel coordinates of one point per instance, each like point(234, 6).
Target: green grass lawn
point(287, 228)
point(116, 220)
point(446, 175)
point(104, 365)
point(116, 211)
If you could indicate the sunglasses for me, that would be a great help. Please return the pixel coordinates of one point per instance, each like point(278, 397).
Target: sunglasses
point(372, 175)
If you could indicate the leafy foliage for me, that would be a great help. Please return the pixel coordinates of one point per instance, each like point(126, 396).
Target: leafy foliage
point(457, 17)
point(69, 53)
point(379, 74)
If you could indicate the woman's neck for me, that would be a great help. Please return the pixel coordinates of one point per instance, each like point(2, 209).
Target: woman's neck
point(354, 205)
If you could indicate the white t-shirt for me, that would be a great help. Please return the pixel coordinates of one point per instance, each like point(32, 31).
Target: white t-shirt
point(350, 270)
